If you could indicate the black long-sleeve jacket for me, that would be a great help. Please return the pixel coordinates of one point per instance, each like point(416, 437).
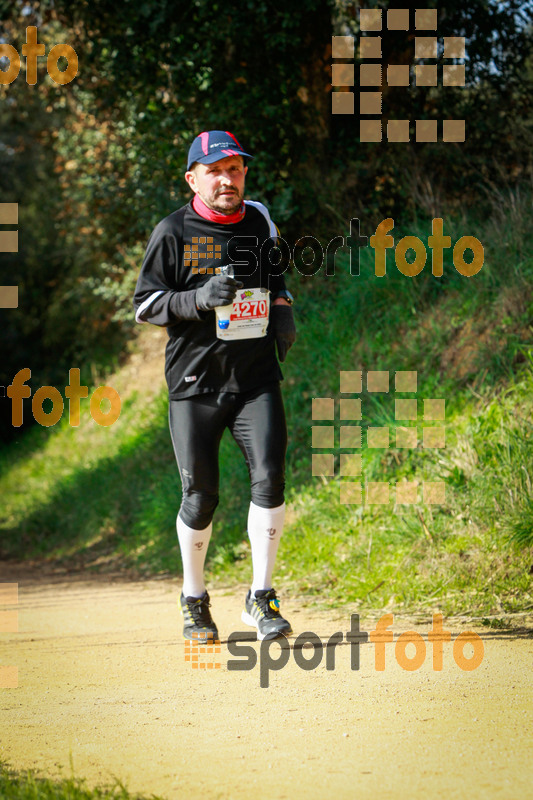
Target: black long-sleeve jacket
point(183, 253)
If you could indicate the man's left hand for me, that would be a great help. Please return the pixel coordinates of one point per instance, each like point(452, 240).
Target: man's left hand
point(283, 327)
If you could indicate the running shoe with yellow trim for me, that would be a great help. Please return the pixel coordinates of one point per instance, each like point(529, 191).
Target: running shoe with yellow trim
point(262, 612)
point(197, 621)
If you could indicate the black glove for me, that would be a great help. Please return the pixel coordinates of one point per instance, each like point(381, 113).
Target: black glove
point(283, 327)
point(220, 290)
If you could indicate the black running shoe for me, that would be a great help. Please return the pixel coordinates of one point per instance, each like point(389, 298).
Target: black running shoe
point(197, 622)
point(262, 611)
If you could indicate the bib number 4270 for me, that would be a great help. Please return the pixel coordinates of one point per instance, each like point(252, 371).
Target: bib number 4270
point(250, 309)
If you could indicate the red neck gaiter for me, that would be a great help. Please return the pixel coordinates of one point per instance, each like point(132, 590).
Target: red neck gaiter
point(215, 216)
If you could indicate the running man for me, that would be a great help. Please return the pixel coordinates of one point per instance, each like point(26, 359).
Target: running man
point(207, 276)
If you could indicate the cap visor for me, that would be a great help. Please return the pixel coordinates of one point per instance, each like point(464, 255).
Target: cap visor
point(210, 159)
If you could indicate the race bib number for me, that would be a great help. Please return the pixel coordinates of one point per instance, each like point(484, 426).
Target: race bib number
point(246, 318)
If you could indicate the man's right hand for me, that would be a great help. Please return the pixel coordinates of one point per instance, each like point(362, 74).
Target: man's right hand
point(220, 290)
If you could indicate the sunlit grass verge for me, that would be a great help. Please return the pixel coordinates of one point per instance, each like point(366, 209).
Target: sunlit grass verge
point(459, 557)
point(16, 785)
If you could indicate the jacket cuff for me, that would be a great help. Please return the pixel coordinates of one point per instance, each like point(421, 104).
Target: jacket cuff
point(183, 305)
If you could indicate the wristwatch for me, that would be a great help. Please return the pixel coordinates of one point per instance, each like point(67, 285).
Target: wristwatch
point(285, 295)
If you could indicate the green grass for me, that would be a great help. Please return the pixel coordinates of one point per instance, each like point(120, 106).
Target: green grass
point(109, 497)
point(29, 786)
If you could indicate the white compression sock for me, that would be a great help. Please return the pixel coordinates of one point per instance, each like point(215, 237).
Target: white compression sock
point(265, 526)
point(193, 547)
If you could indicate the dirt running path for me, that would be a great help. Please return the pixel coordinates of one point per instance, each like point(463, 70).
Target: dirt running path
point(103, 682)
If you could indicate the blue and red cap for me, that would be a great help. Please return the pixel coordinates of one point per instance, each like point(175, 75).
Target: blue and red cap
point(211, 146)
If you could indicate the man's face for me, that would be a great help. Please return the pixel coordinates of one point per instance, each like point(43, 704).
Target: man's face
point(219, 185)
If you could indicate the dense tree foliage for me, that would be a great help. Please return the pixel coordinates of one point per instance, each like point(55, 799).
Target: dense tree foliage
point(94, 164)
